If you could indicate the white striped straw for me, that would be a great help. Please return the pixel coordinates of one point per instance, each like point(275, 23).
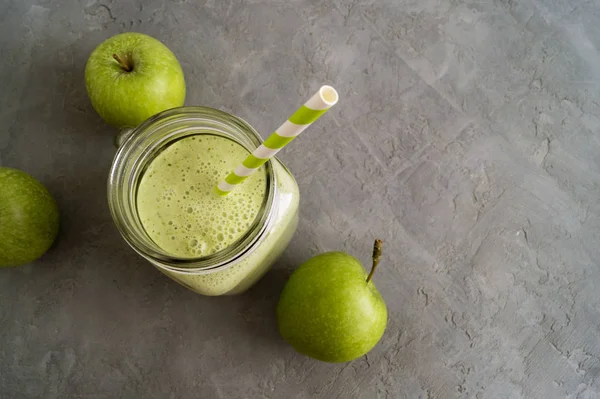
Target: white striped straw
point(316, 106)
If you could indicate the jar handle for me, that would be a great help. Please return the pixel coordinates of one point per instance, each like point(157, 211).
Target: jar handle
point(122, 136)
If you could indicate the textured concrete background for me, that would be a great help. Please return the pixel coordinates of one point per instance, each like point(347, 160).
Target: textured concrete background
point(467, 137)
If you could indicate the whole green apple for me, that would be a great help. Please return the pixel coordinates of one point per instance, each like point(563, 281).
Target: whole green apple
point(132, 76)
point(330, 310)
point(29, 218)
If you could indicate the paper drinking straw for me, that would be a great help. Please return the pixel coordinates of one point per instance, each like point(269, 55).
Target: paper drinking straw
point(316, 106)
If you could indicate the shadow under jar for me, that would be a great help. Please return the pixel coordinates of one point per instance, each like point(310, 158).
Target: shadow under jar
point(230, 270)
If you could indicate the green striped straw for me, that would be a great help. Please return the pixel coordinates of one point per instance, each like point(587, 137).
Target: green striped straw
point(316, 106)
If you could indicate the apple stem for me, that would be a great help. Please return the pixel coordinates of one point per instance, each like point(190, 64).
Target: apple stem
point(376, 257)
point(122, 63)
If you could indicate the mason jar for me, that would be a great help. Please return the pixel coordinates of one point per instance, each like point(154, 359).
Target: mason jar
point(235, 268)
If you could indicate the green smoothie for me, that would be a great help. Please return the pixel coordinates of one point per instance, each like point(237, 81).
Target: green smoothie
point(183, 215)
point(177, 202)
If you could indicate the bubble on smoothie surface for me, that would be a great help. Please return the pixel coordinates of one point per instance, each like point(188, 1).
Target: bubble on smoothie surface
point(199, 223)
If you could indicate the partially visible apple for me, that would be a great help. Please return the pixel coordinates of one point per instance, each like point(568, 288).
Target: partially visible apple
point(330, 309)
point(132, 76)
point(28, 218)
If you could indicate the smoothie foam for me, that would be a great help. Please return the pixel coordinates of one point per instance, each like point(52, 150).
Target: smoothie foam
point(178, 206)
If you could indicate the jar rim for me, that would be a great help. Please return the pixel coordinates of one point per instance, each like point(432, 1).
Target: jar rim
point(138, 150)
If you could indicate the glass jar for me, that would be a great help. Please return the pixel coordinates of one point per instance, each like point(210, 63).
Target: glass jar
point(235, 268)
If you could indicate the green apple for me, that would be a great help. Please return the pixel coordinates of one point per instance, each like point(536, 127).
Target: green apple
point(28, 218)
point(131, 77)
point(330, 309)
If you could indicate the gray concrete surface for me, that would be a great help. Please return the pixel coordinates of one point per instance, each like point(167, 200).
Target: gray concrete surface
point(467, 137)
